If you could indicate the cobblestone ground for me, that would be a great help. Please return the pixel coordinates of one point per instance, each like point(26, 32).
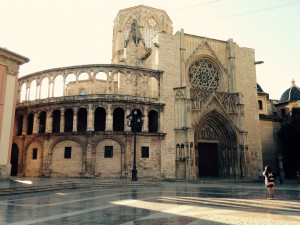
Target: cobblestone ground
point(167, 203)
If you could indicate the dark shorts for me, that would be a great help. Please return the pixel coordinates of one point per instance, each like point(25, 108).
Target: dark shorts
point(271, 185)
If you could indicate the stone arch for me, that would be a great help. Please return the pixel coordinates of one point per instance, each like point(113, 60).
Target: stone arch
point(45, 87)
point(106, 165)
point(69, 118)
point(118, 119)
point(153, 87)
point(23, 95)
point(56, 117)
point(215, 133)
point(58, 85)
point(20, 120)
point(153, 118)
point(59, 162)
point(33, 158)
point(82, 114)
point(33, 90)
point(215, 63)
point(99, 119)
point(101, 82)
point(30, 122)
point(42, 121)
point(70, 84)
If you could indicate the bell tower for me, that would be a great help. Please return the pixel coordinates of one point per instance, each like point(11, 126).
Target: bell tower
point(133, 33)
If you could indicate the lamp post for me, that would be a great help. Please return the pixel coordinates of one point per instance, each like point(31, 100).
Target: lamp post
point(134, 119)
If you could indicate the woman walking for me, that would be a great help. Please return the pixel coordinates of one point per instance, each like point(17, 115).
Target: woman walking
point(269, 181)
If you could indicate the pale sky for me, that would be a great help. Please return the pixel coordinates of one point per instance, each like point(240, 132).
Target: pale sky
point(59, 33)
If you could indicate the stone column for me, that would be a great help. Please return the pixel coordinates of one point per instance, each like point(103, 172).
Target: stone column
point(62, 120)
point(35, 129)
point(109, 119)
point(127, 128)
point(126, 90)
point(49, 121)
point(24, 127)
point(40, 91)
point(90, 121)
point(19, 94)
point(37, 90)
point(90, 83)
point(27, 91)
point(107, 84)
point(53, 85)
point(77, 74)
point(145, 127)
point(64, 87)
point(161, 122)
point(75, 120)
point(49, 87)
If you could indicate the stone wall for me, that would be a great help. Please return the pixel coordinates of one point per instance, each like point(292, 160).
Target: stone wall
point(247, 85)
point(169, 58)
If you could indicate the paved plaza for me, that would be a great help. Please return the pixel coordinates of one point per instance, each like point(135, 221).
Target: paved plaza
point(209, 202)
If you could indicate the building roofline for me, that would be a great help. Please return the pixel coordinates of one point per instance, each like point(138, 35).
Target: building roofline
point(14, 56)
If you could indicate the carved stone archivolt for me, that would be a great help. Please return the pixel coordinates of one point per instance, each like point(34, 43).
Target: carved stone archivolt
point(215, 128)
point(207, 133)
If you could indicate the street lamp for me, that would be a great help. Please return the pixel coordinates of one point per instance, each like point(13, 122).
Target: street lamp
point(135, 120)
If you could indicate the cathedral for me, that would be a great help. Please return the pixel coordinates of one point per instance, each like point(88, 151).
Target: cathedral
point(171, 105)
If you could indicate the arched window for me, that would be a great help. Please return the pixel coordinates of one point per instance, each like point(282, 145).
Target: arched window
point(100, 118)
point(150, 30)
point(20, 125)
point(69, 114)
point(153, 121)
point(204, 75)
point(42, 125)
point(118, 120)
point(82, 120)
point(56, 121)
point(30, 123)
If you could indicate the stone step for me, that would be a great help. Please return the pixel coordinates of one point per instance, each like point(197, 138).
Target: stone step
point(61, 186)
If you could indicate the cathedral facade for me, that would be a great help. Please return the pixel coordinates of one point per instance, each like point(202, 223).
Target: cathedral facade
point(197, 95)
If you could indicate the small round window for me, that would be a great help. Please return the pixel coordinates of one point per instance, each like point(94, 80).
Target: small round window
point(204, 75)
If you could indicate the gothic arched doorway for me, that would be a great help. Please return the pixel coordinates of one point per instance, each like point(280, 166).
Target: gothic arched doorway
point(14, 160)
point(216, 153)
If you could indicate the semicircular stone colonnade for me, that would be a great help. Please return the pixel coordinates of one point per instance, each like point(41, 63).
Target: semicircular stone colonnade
point(71, 122)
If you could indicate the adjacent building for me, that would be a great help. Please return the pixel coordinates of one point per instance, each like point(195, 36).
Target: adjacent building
point(9, 67)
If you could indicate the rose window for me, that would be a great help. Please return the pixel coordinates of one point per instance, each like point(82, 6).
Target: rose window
point(204, 75)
